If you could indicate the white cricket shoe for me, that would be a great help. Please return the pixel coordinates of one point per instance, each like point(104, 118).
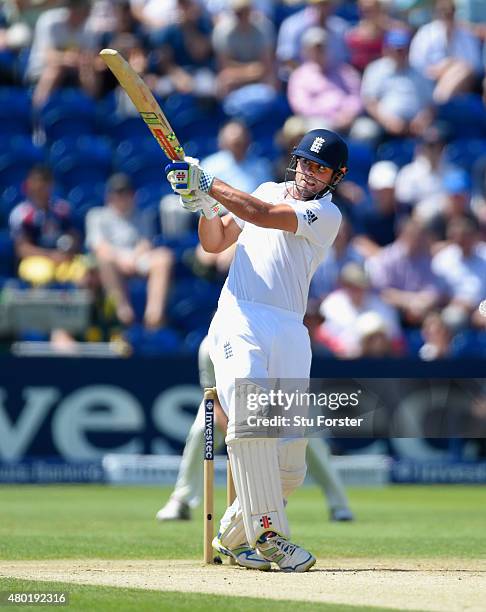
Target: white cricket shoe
point(289, 557)
point(243, 555)
point(174, 510)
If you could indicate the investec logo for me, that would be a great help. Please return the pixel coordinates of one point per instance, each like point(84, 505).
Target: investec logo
point(209, 427)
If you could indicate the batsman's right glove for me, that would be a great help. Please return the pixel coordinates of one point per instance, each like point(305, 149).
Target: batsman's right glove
point(194, 202)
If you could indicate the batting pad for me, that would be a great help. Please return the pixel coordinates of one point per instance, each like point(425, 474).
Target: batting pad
point(256, 475)
point(232, 528)
point(292, 468)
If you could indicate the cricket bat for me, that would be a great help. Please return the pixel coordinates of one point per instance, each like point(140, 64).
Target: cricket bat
point(145, 103)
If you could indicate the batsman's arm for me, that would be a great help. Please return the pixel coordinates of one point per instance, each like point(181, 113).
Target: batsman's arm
point(253, 210)
point(218, 233)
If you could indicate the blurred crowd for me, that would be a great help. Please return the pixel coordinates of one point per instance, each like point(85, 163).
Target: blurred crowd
point(241, 81)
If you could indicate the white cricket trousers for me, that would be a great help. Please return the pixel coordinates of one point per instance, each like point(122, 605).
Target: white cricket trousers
point(250, 340)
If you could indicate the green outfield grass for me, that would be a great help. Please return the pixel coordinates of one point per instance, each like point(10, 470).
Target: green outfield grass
point(107, 522)
point(62, 522)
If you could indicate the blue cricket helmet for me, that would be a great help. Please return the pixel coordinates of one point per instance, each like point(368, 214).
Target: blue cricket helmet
point(323, 147)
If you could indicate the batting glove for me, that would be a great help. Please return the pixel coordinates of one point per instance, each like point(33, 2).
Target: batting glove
point(208, 206)
point(186, 177)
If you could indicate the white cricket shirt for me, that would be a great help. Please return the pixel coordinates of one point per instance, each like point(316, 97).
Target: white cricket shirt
point(275, 267)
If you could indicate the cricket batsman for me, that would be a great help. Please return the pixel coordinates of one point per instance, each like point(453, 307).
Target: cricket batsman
point(282, 231)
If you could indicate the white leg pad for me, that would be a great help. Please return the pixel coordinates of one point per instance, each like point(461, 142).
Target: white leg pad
point(291, 460)
point(232, 528)
point(256, 475)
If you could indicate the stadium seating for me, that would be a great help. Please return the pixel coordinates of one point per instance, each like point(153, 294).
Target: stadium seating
point(399, 151)
point(192, 303)
point(82, 198)
point(81, 161)
point(465, 152)
point(67, 113)
point(143, 160)
point(17, 156)
point(465, 115)
point(9, 198)
point(157, 342)
point(15, 112)
point(7, 255)
point(361, 157)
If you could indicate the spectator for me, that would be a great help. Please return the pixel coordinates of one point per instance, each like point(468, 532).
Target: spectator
point(318, 13)
point(15, 40)
point(63, 51)
point(375, 225)
point(396, 96)
point(103, 17)
point(234, 163)
point(243, 42)
point(402, 273)
point(293, 130)
point(115, 20)
point(186, 50)
point(341, 310)
point(14, 43)
point(154, 14)
point(374, 342)
point(478, 201)
point(424, 176)
point(437, 336)
point(365, 39)
point(462, 267)
point(128, 38)
point(26, 11)
point(453, 201)
point(121, 244)
point(447, 53)
point(342, 252)
point(46, 243)
point(319, 89)
point(133, 49)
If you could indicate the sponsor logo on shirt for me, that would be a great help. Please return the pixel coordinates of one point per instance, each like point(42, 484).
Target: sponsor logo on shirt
point(228, 351)
point(310, 217)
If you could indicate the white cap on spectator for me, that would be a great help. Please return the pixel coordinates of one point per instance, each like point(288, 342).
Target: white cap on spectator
point(18, 36)
point(382, 175)
point(314, 36)
point(238, 5)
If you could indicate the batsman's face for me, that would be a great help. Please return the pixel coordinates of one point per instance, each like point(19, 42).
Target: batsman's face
point(311, 178)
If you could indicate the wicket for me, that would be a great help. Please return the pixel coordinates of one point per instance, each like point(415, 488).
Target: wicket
point(210, 395)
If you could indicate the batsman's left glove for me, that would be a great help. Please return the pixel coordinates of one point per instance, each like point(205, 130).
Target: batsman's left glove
point(186, 177)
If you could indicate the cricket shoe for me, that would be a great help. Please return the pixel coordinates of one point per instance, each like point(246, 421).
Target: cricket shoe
point(174, 510)
point(289, 557)
point(243, 555)
point(340, 515)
